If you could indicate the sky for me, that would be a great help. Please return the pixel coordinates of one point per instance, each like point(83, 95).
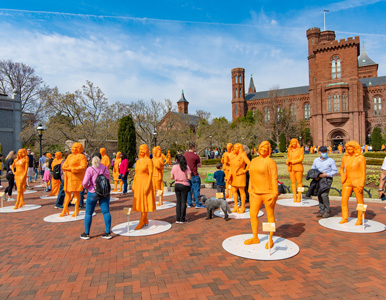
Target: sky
point(154, 49)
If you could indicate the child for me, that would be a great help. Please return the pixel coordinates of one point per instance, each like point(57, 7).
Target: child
point(219, 176)
point(46, 175)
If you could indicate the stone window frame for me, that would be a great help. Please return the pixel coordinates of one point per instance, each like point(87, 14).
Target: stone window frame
point(336, 98)
point(344, 102)
point(377, 105)
point(267, 114)
point(328, 103)
point(307, 110)
point(293, 110)
point(336, 67)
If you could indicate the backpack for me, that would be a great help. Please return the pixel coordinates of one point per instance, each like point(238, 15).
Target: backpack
point(56, 172)
point(102, 188)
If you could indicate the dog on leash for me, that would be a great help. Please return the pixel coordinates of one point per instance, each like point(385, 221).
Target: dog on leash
point(213, 204)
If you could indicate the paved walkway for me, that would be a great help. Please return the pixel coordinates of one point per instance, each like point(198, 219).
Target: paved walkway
point(40, 260)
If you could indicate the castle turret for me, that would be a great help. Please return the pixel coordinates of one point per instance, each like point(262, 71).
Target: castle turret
point(239, 104)
point(183, 104)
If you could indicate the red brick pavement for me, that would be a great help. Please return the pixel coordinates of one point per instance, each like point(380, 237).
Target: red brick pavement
point(42, 260)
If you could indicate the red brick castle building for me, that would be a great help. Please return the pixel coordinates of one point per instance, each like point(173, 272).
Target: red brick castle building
point(343, 100)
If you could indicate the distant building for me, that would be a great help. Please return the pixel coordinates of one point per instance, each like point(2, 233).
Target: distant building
point(10, 122)
point(343, 100)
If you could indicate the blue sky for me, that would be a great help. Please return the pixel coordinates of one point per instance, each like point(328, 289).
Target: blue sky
point(154, 49)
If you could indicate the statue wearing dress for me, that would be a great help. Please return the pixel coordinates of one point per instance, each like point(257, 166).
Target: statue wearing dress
point(158, 173)
point(74, 169)
point(105, 159)
point(56, 182)
point(295, 167)
point(117, 161)
point(340, 148)
point(353, 177)
point(21, 166)
point(144, 200)
point(263, 188)
point(239, 165)
point(169, 158)
point(225, 160)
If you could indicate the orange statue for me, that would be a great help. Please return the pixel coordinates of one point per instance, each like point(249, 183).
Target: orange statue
point(21, 164)
point(329, 149)
point(74, 168)
point(353, 177)
point(366, 148)
point(158, 173)
point(117, 161)
point(317, 150)
point(105, 159)
point(239, 165)
point(56, 182)
point(263, 188)
point(225, 160)
point(144, 200)
point(340, 148)
point(383, 148)
point(295, 167)
point(312, 149)
point(169, 158)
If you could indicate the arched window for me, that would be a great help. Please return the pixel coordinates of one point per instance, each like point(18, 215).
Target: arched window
point(307, 112)
point(240, 94)
point(335, 68)
point(279, 112)
point(267, 114)
point(293, 110)
point(236, 79)
point(236, 110)
point(239, 78)
point(344, 102)
point(336, 103)
point(377, 106)
point(254, 111)
point(329, 103)
point(237, 91)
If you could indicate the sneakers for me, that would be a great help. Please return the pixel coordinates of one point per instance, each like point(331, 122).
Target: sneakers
point(200, 206)
point(84, 236)
point(106, 236)
point(190, 206)
point(319, 214)
point(59, 206)
point(325, 214)
point(10, 199)
point(182, 222)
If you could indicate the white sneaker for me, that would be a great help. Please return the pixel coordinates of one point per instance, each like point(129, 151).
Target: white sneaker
point(11, 199)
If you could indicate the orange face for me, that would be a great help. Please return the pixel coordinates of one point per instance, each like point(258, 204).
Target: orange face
point(20, 153)
point(350, 150)
point(77, 148)
point(119, 155)
point(237, 148)
point(143, 151)
point(264, 149)
point(229, 147)
point(58, 155)
point(102, 151)
point(294, 143)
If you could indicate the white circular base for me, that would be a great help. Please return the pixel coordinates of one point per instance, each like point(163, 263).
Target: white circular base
point(56, 219)
point(166, 194)
point(230, 200)
point(246, 215)
point(303, 203)
point(9, 209)
point(154, 227)
point(112, 199)
point(118, 193)
point(282, 248)
point(166, 205)
point(48, 197)
point(27, 192)
point(39, 186)
point(370, 226)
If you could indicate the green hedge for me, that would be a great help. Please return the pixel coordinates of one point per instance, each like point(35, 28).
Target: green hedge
point(375, 162)
point(375, 154)
point(210, 162)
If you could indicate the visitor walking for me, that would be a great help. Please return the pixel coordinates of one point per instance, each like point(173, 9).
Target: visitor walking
point(9, 176)
point(90, 183)
point(181, 173)
point(124, 172)
point(193, 161)
point(30, 170)
point(42, 160)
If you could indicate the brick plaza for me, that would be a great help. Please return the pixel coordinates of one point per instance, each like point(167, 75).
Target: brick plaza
point(42, 260)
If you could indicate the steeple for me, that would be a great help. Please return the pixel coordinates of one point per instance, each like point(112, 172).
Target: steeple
point(183, 104)
point(251, 88)
point(364, 59)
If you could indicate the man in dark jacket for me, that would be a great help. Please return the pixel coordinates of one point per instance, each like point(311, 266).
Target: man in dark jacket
point(327, 167)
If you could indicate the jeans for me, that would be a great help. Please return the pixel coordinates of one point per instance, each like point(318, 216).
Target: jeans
point(11, 183)
point(61, 194)
point(36, 174)
point(181, 194)
point(195, 184)
point(81, 200)
point(104, 204)
point(124, 180)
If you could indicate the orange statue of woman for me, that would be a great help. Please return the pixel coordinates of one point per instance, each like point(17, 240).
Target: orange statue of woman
point(383, 147)
point(366, 148)
point(263, 188)
point(169, 158)
point(158, 173)
point(56, 182)
point(239, 165)
point(21, 165)
point(144, 200)
point(353, 177)
point(340, 148)
point(117, 161)
point(105, 159)
point(74, 168)
point(312, 149)
point(225, 160)
point(295, 167)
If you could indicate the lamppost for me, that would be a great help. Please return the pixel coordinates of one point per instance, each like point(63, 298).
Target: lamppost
point(40, 130)
point(300, 140)
point(155, 138)
point(210, 142)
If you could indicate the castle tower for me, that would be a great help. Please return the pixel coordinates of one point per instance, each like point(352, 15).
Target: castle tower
point(183, 104)
point(239, 105)
point(251, 88)
point(367, 67)
point(336, 114)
